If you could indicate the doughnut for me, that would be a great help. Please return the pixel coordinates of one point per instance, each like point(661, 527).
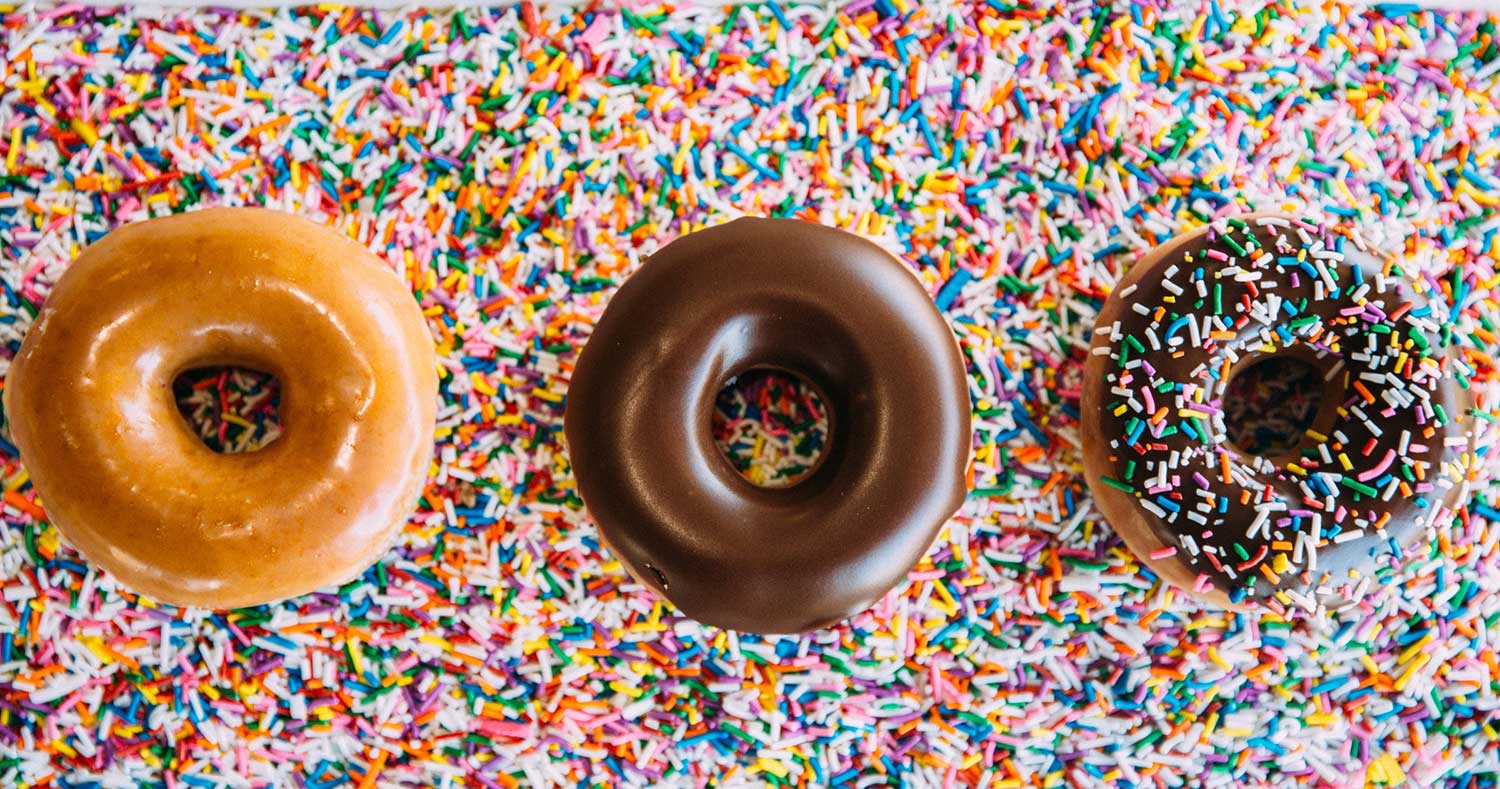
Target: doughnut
point(770, 294)
point(122, 475)
point(1381, 459)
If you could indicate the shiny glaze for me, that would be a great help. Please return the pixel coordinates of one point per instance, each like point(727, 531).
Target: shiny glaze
point(794, 296)
point(122, 476)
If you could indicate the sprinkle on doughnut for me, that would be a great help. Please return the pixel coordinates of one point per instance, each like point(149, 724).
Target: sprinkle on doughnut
point(1303, 525)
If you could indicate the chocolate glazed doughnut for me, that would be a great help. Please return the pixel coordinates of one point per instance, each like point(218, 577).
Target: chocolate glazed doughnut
point(127, 482)
point(797, 297)
point(1383, 457)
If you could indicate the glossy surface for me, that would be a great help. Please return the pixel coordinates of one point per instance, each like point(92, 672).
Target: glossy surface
point(816, 302)
point(1354, 322)
point(90, 405)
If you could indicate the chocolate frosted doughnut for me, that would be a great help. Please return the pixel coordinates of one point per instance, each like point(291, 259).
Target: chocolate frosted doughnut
point(1380, 461)
point(126, 481)
point(785, 295)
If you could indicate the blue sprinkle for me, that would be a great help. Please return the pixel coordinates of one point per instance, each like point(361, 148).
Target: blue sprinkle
point(951, 289)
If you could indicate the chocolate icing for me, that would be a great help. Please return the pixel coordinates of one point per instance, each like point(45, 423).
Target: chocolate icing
point(1305, 525)
point(812, 301)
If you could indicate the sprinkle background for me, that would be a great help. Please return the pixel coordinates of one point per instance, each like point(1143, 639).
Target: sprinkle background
point(516, 164)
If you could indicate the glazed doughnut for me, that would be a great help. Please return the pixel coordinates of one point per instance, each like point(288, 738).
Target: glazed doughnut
point(785, 295)
point(122, 475)
point(1381, 460)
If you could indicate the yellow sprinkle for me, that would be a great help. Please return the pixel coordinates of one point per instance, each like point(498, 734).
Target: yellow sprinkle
point(1386, 769)
point(96, 645)
point(1416, 647)
point(950, 607)
point(86, 131)
point(1481, 197)
point(235, 419)
point(481, 385)
point(15, 149)
point(773, 767)
point(1400, 684)
point(940, 185)
point(48, 540)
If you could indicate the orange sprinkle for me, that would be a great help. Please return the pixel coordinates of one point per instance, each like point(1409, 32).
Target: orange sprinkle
point(25, 505)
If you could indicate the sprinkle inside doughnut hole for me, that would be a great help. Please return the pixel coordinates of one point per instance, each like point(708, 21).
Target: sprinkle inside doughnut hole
point(1271, 402)
point(771, 425)
point(232, 409)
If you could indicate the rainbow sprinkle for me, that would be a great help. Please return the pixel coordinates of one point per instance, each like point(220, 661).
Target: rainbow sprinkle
point(233, 409)
point(516, 164)
point(772, 426)
point(1269, 406)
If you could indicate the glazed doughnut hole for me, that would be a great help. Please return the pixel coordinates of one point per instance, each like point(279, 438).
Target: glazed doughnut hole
point(1269, 405)
point(771, 425)
point(231, 409)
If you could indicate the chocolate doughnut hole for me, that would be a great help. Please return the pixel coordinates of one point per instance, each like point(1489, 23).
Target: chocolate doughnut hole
point(1270, 404)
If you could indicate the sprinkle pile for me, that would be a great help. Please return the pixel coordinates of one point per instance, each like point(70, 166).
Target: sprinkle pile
point(233, 409)
point(516, 164)
point(772, 426)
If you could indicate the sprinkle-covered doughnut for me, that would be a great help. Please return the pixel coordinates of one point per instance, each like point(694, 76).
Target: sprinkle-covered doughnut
point(1383, 457)
point(786, 295)
point(89, 403)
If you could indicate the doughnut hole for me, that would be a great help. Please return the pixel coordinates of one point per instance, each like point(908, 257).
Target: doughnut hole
point(1270, 404)
point(231, 409)
point(772, 426)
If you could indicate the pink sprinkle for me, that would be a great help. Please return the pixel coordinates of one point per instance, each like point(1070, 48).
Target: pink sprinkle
point(1385, 463)
point(1164, 553)
point(597, 31)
